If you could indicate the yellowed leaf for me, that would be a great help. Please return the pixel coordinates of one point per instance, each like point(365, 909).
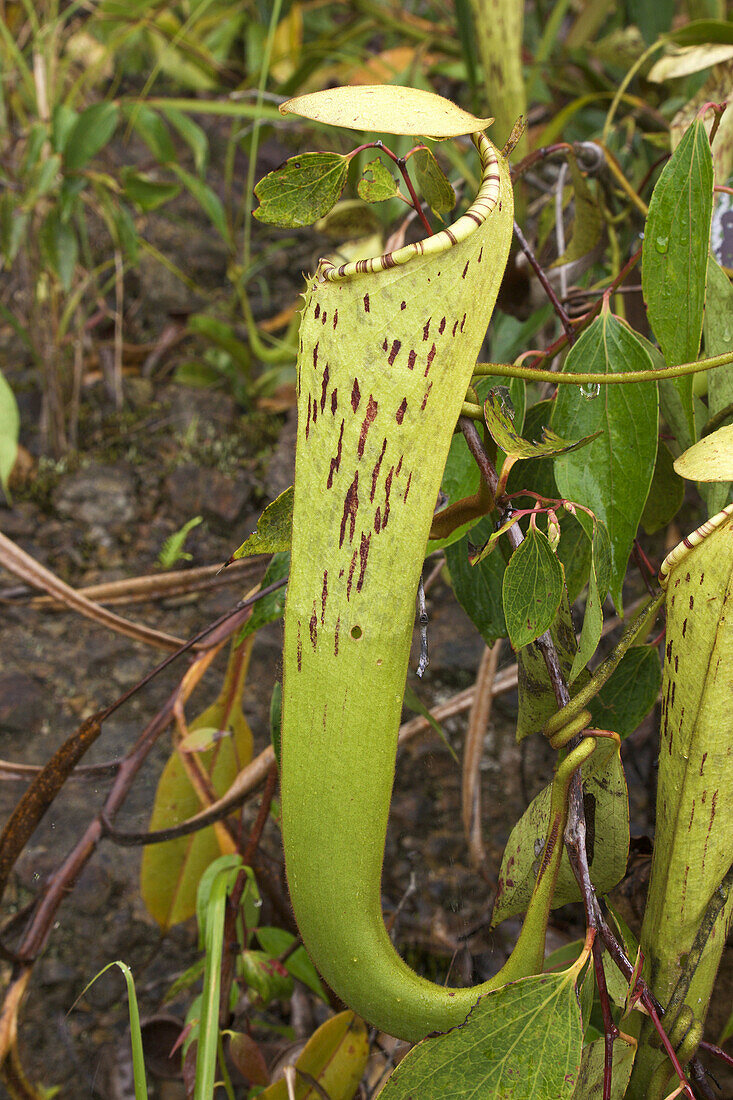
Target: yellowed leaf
point(709, 460)
point(334, 1057)
point(170, 872)
point(383, 67)
point(387, 109)
point(683, 60)
point(287, 44)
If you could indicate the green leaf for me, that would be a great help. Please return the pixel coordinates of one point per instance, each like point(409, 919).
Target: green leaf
point(478, 589)
point(207, 199)
point(377, 183)
point(532, 590)
point(59, 247)
point(9, 430)
point(433, 183)
point(274, 529)
point(302, 190)
point(148, 124)
point(13, 227)
point(501, 426)
point(523, 1040)
point(600, 569)
point(537, 700)
point(590, 1080)
point(666, 494)
point(194, 136)
point(265, 976)
point(276, 941)
point(630, 692)
point(607, 824)
point(460, 479)
point(675, 254)
point(270, 608)
point(612, 475)
point(700, 32)
point(146, 193)
point(90, 133)
point(63, 120)
point(172, 549)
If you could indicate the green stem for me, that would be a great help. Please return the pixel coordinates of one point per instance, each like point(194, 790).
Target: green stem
point(530, 374)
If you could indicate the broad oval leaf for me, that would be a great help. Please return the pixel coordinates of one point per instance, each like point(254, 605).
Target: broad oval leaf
point(590, 1080)
point(89, 134)
point(526, 1036)
point(612, 475)
point(377, 183)
point(666, 493)
point(537, 700)
point(532, 590)
point(304, 189)
point(433, 183)
point(607, 824)
point(478, 588)
point(332, 1063)
point(387, 109)
point(504, 434)
point(675, 253)
point(709, 460)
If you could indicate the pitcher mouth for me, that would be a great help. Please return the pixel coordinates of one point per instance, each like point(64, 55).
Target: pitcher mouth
point(486, 201)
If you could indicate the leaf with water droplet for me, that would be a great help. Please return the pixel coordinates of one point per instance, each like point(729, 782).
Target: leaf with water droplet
point(612, 475)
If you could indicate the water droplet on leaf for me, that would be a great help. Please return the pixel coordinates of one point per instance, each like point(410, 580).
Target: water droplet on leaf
point(590, 390)
point(661, 244)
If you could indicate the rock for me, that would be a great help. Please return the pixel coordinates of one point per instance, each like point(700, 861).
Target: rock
point(21, 704)
point(195, 491)
point(100, 496)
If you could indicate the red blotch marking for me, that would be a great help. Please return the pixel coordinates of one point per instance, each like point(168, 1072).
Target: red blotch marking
point(369, 416)
point(308, 418)
point(336, 462)
point(407, 487)
point(702, 762)
point(335, 318)
point(299, 649)
point(411, 359)
point(480, 255)
point(315, 356)
point(363, 555)
point(334, 401)
point(313, 627)
point(323, 317)
point(317, 310)
point(336, 637)
point(399, 467)
point(375, 471)
point(324, 387)
point(378, 520)
point(426, 329)
point(351, 505)
point(425, 398)
point(465, 270)
point(463, 321)
point(355, 395)
point(324, 595)
point(453, 331)
point(403, 305)
point(385, 345)
point(684, 628)
point(396, 345)
point(366, 303)
point(352, 567)
point(441, 326)
point(431, 356)
point(387, 490)
point(400, 414)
